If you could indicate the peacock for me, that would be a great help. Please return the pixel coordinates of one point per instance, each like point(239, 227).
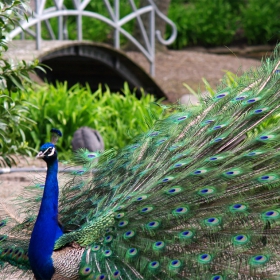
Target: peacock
point(195, 197)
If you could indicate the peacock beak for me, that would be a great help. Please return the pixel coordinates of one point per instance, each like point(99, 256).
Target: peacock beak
point(40, 155)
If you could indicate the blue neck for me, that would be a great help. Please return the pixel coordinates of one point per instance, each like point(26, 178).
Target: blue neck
point(46, 229)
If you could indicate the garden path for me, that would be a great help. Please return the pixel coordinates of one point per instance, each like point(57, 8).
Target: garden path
point(173, 68)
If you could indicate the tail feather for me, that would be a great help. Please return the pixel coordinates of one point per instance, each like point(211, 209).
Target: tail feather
point(196, 195)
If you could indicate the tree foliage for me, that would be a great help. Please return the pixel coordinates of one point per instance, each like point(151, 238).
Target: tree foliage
point(13, 75)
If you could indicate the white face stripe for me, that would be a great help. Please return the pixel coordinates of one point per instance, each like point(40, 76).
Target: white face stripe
point(52, 152)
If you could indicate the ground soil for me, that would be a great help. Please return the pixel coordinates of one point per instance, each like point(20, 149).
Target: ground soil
point(173, 68)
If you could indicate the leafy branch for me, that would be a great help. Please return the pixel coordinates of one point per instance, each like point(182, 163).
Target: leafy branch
point(13, 76)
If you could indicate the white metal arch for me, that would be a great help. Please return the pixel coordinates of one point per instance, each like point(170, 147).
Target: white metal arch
point(42, 14)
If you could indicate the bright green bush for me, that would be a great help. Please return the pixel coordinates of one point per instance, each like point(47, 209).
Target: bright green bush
point(13, 122)
point(203, 22)
point(13, 112)
point(261, 21)
point(118, 117)
point(220, 22)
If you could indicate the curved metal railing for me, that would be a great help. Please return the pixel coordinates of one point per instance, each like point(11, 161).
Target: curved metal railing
point(42, 14)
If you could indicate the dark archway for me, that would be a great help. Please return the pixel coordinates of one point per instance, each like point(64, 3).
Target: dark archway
point(94, 64)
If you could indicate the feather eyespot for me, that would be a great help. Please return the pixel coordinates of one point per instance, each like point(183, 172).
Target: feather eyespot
point(92, 155)
point(101, 277)
point(154, 265)
point(146, 209)
point(200, 171)
point(141, 197)
point(122, 224)
point(167, 179)
point(213, 221)
point(232, 173)
point(253, 153)
point(181, 210)
point(85, 271)
point(206, 191)
point(116, 274)
point(215, 158)
point(217, 127)
point(129, 234)
point(119, 216)
point(266, 137)
point(173, 191)
point(131, 252)
point(240, 239)
point(241, 97)
point(260, 110)
point(218, 139)
point(96, 248)
point(259, 260)
point(174, 264)
point(181, 163)
point(108, 239)
point(154, 133)
point(182, 118)
point(238, 207)
point(251, 100)
point(217, 277)
point(186, 234)
point(268, 178)
point(208, 121)
point(271, 215)
point(204, 258)
point(159, 245)
point(107, 253)
point(221, 95)
point(153, 225)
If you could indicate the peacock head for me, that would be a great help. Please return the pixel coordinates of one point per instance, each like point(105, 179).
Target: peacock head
point(47, 152)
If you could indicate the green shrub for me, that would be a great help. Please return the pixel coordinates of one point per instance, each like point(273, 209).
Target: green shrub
point(204, 22)
point(13, 122)
point(13, 112)
point(219, 22)
point(261, 21)
point(118, 117)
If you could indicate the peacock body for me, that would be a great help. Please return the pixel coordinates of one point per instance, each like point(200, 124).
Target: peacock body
point(196, 197)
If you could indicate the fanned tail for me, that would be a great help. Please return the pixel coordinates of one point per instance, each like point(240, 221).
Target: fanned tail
point(196, 195)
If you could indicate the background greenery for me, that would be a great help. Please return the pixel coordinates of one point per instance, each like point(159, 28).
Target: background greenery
point(13, 113)
point(199, 22)
point(219, 22)
point(119, 117)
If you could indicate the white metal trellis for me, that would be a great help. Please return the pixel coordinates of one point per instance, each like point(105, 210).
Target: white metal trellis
point(42, 14)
